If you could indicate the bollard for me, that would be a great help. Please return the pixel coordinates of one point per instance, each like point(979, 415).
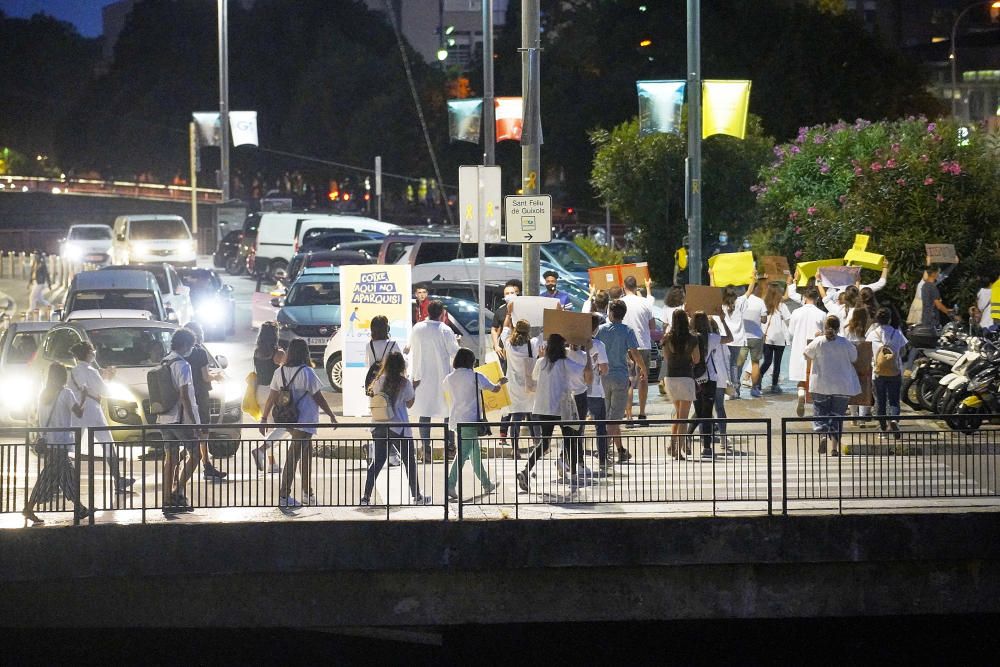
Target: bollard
point(21, 256)
point(3, 258)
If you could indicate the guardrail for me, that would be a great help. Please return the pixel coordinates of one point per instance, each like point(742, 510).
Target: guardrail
point(86, 186)
point(354, 473)
point(16, 265)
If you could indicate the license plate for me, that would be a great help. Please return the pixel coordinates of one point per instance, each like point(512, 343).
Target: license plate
point(313, 340)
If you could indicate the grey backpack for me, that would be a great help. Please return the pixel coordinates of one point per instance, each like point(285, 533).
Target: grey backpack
point(163, 394)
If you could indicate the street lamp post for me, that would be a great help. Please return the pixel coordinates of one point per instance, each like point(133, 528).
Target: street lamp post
point(951, 55)
point(693, 180)
point(224, 95)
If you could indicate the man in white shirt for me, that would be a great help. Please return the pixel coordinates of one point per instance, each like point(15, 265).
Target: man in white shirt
point(639, 318)
point(184, 411)
point(754, 314)
point(433, 346)
point(595, 395)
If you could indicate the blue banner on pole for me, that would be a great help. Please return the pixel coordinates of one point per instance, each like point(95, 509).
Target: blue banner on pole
point(660, 104)
point(465, 119)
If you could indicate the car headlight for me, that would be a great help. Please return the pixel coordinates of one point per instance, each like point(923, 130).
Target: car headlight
point(233, 390)
point(72, 252)
point(212, 311)
point(140, 248)
point(121, 412)
point(119, 392)
point(17, 392)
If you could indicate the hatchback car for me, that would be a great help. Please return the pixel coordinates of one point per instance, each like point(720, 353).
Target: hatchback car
point(175, 294)
point(18, 385)
point(311, 310)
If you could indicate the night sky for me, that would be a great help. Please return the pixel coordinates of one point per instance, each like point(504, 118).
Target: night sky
point(84, 14)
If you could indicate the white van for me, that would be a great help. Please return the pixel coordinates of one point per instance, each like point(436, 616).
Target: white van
point(278, 233)
point(149, 239)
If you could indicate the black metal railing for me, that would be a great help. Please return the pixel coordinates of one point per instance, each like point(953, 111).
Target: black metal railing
point(24, 456)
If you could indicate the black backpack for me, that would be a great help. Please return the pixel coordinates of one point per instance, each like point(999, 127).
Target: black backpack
point(163, 393)
point(376, 365)
point(286, 408)
point(700, 369)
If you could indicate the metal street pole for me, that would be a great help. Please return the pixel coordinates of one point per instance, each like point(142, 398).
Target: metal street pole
point(693, 184)
point(224, 94)
point(489, 160)
point(193, 151)
point(378, 184)
point(951, 54)
point(530, 153)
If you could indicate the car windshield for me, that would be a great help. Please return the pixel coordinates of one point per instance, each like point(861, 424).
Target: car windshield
point(149, 230)
point(158, 272)
point(130, 346)
point(90, 234)
point(314, 294)
point(465, 313)
point(23, 347)
point(200, 280)
point(569, 256)
point(114, 299)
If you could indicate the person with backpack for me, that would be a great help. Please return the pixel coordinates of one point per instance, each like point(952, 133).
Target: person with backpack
point(172, 399)
point(55, 410)
point(887, 347)
point(392, 394)
point(463, 387)
point(203, 376)
point(38, 281)
point(375, 352)
point(296, 398)
point(267, 358)
point(832, 381)
point(88, 384)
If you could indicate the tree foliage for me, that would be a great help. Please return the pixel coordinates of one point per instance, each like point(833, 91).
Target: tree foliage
point(905, 183)
point(642, 179)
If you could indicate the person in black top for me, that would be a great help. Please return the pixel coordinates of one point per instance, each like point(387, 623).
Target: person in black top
point(267, 358)
point(202, 376)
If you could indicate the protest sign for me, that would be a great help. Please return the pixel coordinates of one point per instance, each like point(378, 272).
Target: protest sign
point(731, 268)
point(493, 401)
point(774, 266)
point(702, 297)
point(941, 253)
point(576, 328)
point(808, 270)
point(863, 258)
point(605, 277)
point(839, 276)
point(531, 308)
point(860, 242)
point(639, 271)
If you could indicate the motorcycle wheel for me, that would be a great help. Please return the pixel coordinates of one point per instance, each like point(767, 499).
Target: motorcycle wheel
point(938, 398)
point(925, 392)
point(968, 420)
point(235, 266)
point(910, 394)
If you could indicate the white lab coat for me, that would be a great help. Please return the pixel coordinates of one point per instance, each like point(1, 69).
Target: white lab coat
point(432, 348)
point(83, 376)
point(803, 327)
point(520, 365)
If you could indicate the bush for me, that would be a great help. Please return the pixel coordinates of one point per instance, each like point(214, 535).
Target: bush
point(600, 253)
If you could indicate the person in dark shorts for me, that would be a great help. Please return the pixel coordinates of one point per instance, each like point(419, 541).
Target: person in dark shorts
point(202, 376)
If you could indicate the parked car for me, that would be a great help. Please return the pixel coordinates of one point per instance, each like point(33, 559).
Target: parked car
point(311, 310)
point(496, 269)
point(322, 238)
point(116, 290)
point(142, 239)
point(18, 385)
point(176, 295)
point(369, 247)
point(212, 301)
point(467, 291)
point(87, 243)
point(318, 259)
point(134, 348)
point(229, 251)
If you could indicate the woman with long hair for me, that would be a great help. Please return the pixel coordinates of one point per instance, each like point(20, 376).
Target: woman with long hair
point(867, 299)
point(856, 331)
point(55, 410)
point(392, 381)
point(709, 344)
point(776, 335)
point(553, 401)
point(733, 306)
point(522, 354)
point(832, 381)
point(298, 376)
point(680, 348)
point(267, 357)
point(463, 386)
point(888, 381)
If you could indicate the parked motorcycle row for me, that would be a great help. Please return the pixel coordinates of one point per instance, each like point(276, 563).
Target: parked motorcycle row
point(956, 376)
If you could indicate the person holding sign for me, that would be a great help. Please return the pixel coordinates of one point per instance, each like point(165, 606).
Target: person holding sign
point(462, 386)
point(832, 381)
point(805, 324)
point(522, 353)
point(775, 334)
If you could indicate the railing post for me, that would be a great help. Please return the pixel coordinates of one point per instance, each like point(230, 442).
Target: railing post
point(458, 457)
point(78, 475)
point(784, 466)
point(770, 481)
point(90, 473)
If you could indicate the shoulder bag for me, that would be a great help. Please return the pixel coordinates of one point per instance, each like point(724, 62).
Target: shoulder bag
point(483, 427)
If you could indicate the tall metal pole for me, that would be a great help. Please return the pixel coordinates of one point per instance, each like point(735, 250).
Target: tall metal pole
point(224, 94)
point(193, 150)
point(953, 58)
point(530, 154)
point(693, 184)
point(489, 160)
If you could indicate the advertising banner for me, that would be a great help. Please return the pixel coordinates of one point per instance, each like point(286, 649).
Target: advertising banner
point(367, 291)
point(509, 120)
point(660, 104)
point(244, 127)
point(724, 108)
point(465, 119)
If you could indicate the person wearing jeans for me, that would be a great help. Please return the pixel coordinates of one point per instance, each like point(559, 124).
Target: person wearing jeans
point(775, 335)
point(888, 382)
point(832, 381)
point(733, 307)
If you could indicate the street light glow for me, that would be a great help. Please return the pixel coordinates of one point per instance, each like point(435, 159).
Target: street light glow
point(442, 54)
point(646, 42)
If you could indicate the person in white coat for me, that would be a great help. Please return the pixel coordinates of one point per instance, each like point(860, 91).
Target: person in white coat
point(522, 353)
point(776, 336)
point(89, 387)
point(432, 347)
point(804, 325)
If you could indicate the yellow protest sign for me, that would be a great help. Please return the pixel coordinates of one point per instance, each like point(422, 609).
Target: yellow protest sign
point(868, 260)
point(995, 300)
point(860, 242)
point(808, 270)
point(501, 399)
point(731, 268)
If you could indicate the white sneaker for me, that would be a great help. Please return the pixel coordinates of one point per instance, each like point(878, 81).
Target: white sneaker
point(394, 460)
point(288, 501)
point(311, 500)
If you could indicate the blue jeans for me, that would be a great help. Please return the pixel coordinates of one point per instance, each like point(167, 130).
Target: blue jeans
point(598, 410)
point(887, 390)
point(825, 406)
point(515, 428)
point(737, 358)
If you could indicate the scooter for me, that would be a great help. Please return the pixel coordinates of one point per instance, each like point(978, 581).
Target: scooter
point(983, 399)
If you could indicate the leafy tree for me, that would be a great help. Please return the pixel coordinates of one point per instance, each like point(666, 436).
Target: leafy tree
point(642, 179)
point(905, 183)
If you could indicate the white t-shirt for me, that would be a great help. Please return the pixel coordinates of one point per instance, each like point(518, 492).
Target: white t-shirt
point(886, 335)
point(382, 348)
point(463, 400)
point(577, 385)
point(735, 321)
point(776, 327)
point(718, 361)
point(400, 413)
point(180, 373)
point(303, 386)
point(984, 302)
point(637, 319)
point(598, 356)
point(552, 384)
point(520, 362)
point(833, 367)
point(752, 314)
point(85, 378)
point(58, 414)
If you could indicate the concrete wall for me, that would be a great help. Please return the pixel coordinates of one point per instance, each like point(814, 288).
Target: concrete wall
point(402, 574)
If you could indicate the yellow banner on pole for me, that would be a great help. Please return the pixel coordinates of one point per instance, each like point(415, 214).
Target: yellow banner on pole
point(731, 268)
point(501, 399)
point(724, 107)
point(808, 270)
point(863, 258)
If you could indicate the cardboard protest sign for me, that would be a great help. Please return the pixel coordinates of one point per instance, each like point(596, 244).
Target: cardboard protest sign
point(731, 268)
point(532, 308)
point(702, 297)
point(808, 270)
point(868, 260)
point(576, 328)
point(501, 399)
point(863, 367)
point(640, 271)
point(774, 266)
point(860, 242)
point(995, 300)
point(839, 276)
point(605, 277)
point(941, 253)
